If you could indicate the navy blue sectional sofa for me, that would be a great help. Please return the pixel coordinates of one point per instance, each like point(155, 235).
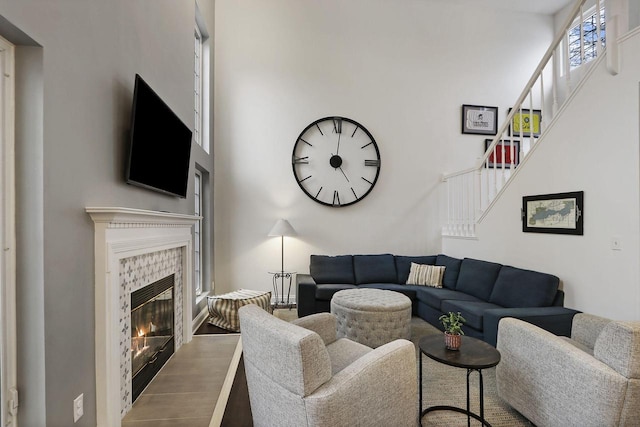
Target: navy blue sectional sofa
point(484, 292)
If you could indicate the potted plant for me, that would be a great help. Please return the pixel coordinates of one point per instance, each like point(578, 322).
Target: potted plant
point(452, 323)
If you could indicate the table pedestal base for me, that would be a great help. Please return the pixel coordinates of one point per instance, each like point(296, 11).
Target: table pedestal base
point(467, 411)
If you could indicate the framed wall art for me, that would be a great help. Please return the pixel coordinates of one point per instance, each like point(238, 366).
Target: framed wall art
point(525, 121)
point(504, 154)
point(560, 213)
point(480, 120)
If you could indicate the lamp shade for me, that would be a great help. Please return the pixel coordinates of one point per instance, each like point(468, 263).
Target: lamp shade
point(282, 228)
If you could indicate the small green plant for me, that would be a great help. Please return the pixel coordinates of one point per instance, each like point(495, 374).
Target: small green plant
point(452, 323)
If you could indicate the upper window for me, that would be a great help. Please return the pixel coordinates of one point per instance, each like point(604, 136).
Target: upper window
point(197, 89)
point(590, 32)
point(201, 83)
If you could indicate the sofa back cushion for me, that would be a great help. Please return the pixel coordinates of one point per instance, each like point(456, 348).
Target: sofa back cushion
point(374, 269)
point(332, 269)
point(403, 265)
point(516, 287)
point(451, 271)
point(477, 277)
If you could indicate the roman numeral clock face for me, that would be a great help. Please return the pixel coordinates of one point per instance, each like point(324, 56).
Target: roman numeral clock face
point(336, 161)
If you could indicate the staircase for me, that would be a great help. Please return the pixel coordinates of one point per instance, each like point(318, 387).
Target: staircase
point(471, 193)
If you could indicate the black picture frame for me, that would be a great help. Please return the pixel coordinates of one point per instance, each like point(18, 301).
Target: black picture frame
point(514, 126)
point(497, 152)
point(559, 213)
point(479, 120)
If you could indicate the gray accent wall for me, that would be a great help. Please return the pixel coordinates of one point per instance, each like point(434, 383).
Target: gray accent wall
point(76, 62)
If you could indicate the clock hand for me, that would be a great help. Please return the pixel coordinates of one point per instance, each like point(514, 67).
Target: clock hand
point(338, 149)
point(345, 175)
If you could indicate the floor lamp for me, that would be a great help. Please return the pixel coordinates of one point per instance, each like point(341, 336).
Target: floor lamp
point(281, 229)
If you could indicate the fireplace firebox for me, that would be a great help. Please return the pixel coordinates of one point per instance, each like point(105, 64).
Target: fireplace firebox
point(152, 331)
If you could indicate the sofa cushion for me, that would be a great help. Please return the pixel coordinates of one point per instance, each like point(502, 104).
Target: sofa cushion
point(426, 275)
point(472, 311)
point(516, 287)
point(374, 269)
point(434, 297)
point(407, 290)
point(325, 291)
point(477, 277)
point(332, 269)
point(403, 264)
point(452, 269)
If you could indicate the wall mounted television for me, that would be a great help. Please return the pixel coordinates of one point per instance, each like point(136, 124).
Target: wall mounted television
point(160, 144)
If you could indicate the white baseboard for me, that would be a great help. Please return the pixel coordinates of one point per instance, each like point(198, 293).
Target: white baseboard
point(200, 319)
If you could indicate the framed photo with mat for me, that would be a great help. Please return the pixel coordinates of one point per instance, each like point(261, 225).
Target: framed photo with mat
point(560, 213)
point(480, 120)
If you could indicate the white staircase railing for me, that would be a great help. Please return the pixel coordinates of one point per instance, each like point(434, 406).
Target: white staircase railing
point(471, 192)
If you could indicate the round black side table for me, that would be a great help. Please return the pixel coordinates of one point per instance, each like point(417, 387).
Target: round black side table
point(473, 355)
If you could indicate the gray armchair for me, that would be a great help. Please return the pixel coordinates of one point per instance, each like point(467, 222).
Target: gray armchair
point(301, 375)
point(590, 379)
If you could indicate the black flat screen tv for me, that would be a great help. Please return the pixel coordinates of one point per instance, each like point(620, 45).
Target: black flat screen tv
point(160, 144)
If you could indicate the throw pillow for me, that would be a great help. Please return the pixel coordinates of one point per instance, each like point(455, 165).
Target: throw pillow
point(426, 275)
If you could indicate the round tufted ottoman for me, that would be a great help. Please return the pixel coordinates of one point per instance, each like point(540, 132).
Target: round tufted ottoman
point(372, 317)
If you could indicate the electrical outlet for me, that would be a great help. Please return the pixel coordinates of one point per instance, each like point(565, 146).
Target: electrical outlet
point(78, 407)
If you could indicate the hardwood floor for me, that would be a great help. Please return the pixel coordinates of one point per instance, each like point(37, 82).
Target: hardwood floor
point(238, 410)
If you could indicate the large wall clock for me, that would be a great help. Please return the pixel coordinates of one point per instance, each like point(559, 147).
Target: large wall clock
point(336, 161)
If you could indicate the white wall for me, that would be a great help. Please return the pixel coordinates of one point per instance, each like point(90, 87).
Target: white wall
point(592, 147)
point(401, 69)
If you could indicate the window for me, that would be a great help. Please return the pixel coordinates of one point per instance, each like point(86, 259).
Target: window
point(8, 356)
point(197, 244)
point(197, 87)
point(201, 68)
point(590, 34)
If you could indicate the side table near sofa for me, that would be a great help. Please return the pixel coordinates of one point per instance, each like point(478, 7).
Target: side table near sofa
point(282, 276)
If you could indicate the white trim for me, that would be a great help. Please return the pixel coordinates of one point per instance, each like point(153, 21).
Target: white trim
point(121, 233)
point(8, 352)
point(200, 319)
point(223, 397)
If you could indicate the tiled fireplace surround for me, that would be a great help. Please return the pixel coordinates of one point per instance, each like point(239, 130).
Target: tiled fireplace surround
point(134, 248)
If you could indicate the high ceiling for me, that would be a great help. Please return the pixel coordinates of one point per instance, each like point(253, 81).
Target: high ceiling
point(547, 7)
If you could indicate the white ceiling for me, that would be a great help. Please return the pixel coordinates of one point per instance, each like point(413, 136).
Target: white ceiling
point(547, 7)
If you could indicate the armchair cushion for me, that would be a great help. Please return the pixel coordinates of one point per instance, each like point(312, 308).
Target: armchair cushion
point(586, 328)
point(378, 389)
point(344, 352)
point(323, 324)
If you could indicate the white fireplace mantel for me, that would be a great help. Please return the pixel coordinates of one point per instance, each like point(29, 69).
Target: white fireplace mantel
point(122, 233)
